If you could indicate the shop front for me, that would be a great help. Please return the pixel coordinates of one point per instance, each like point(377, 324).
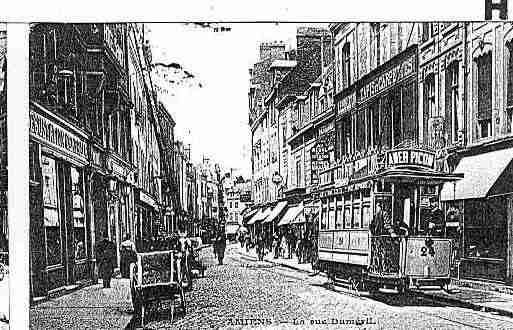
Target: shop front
point(479, 211)
point(146, 219)
point(119, 202)
point(60, 235)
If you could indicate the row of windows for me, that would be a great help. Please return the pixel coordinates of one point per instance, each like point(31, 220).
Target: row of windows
point(350, 211)
point(384, 122)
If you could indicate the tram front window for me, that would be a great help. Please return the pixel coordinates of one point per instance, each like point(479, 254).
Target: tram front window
point(382, 222)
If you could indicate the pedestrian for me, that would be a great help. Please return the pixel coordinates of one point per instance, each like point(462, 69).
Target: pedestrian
point(299, 249)
point(106, 259)
point(128, 256)
point(220, 246)
point(241, 239)
point(276, 246)
point(248, 241)
point(260, 247)
point(284, 246)
point(291, 244)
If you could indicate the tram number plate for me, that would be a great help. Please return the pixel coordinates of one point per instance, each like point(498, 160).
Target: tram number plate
point(428, 260)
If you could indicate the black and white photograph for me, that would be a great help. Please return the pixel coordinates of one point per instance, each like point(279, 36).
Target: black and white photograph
point(284, 175)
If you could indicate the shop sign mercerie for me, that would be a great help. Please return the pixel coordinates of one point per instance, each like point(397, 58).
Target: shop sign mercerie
point(410, 157)
point(389, 78)
point(56, 136)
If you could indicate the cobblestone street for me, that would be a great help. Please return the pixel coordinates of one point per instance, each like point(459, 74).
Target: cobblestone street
point(243, 293)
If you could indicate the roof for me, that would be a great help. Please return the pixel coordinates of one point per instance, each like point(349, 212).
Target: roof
point(481, 173)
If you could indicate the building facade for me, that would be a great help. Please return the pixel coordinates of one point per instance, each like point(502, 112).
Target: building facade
point(95, 152)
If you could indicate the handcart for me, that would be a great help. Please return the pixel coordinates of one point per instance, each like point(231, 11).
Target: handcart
point(156, 277)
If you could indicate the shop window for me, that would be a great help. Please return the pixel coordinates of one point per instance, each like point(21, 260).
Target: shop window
point(484, 95)
point(51, 212)
point(79, 232)
point(452, 101)
point(485, 228)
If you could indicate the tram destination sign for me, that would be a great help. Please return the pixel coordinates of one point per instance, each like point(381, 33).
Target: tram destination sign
point(410, 157)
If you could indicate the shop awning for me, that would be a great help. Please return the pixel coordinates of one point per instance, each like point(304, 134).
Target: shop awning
point(254, 217)
point(249, 214)
point(261, 215)
point(481, 176)
point(276, 212)
point(291, 215)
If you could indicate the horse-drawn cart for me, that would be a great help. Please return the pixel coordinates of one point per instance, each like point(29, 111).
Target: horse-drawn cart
point(155, 277)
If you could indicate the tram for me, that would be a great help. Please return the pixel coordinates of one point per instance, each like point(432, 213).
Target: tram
point(381, 224)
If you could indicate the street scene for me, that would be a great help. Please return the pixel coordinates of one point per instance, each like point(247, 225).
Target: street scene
point(271, 175)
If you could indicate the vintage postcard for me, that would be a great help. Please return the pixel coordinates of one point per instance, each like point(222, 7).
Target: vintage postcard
point(267, 174)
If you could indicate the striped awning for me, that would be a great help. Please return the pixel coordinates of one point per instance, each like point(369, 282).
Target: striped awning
point(249, 214)
point(261, 215)
point(276, 212)
point(291, 215)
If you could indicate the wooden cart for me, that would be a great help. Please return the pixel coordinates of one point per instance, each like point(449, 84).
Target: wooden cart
point(156, 277)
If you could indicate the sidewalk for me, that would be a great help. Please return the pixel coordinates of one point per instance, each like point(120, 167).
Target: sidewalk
point(90, 307)
point(269, 257)
point(485, 300)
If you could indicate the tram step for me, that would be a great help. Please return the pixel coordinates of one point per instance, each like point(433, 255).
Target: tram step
point(342, 282)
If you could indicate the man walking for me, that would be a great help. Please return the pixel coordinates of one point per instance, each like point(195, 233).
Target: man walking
point(106, 259)
point(220, 246)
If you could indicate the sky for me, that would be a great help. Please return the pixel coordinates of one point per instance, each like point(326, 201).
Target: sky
point(213, 118)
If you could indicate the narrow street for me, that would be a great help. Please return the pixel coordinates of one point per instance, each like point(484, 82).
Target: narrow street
point(244, 293)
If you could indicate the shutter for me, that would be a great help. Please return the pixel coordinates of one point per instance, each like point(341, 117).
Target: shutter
point(484, 81)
